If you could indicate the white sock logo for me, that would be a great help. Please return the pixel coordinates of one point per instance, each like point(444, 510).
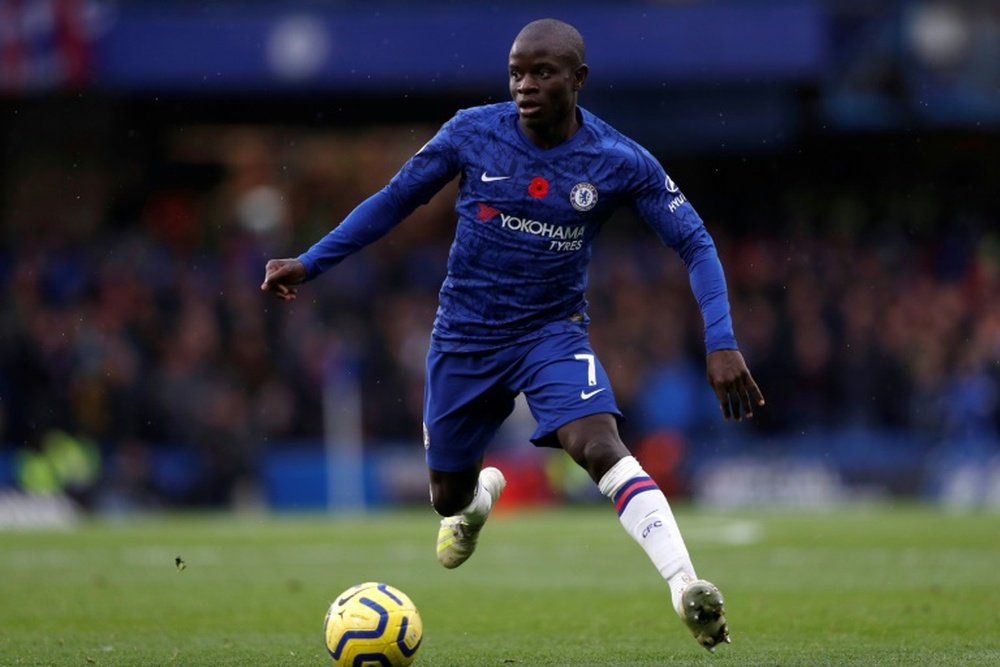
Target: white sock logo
point(651, 527)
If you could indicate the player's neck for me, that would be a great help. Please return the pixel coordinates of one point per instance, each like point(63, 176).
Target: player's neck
point(552, 135)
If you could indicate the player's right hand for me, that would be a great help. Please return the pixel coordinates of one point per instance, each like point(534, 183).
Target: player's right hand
point(281, 276)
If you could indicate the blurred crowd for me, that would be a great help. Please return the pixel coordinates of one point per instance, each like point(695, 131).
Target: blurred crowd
point(132, 317)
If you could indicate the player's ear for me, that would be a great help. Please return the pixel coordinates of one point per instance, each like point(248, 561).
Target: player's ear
point(580, 76)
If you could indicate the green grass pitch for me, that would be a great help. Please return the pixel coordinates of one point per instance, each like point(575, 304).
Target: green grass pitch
point(863, 585)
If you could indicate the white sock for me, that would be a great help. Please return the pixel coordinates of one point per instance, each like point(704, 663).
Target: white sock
point(645, 514)
point(479, 508)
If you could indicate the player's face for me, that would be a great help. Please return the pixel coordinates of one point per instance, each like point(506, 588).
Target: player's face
point(543, 82)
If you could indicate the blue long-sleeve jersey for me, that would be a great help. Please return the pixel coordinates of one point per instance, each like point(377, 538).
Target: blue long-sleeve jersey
point(527, 219)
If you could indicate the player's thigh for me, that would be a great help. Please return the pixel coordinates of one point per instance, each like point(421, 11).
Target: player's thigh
point(464, 405)
point(564, 381)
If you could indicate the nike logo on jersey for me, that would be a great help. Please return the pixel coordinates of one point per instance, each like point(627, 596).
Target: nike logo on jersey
point(585, 395)
point(489, 179)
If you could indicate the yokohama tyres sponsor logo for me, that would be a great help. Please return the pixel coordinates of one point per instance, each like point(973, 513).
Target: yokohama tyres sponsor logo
point(539, 228)
point(561, 239)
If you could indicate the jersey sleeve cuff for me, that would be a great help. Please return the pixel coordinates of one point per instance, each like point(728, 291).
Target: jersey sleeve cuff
point(721, 343)
point(309, 265)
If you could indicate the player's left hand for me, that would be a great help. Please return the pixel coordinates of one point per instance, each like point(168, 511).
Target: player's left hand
point(733, 385)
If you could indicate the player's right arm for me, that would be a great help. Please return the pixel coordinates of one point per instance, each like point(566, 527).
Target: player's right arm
point(417, 181)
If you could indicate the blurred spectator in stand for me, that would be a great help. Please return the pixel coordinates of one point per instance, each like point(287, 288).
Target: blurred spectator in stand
point(129, 315)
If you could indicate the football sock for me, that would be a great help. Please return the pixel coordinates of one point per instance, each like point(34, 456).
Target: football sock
point(645, 514)
point(477, 510)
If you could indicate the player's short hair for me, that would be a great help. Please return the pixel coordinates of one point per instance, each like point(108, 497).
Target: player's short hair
point(568, 37)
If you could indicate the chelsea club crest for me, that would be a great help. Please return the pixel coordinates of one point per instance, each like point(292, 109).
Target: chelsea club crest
point(583, 196)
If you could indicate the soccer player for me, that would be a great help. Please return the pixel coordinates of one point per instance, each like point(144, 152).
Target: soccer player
point(538, 177)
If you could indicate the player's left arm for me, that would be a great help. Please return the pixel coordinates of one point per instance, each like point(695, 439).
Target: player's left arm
point(665, 208)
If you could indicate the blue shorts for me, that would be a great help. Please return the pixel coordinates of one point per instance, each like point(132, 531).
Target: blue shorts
point(468, 395)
